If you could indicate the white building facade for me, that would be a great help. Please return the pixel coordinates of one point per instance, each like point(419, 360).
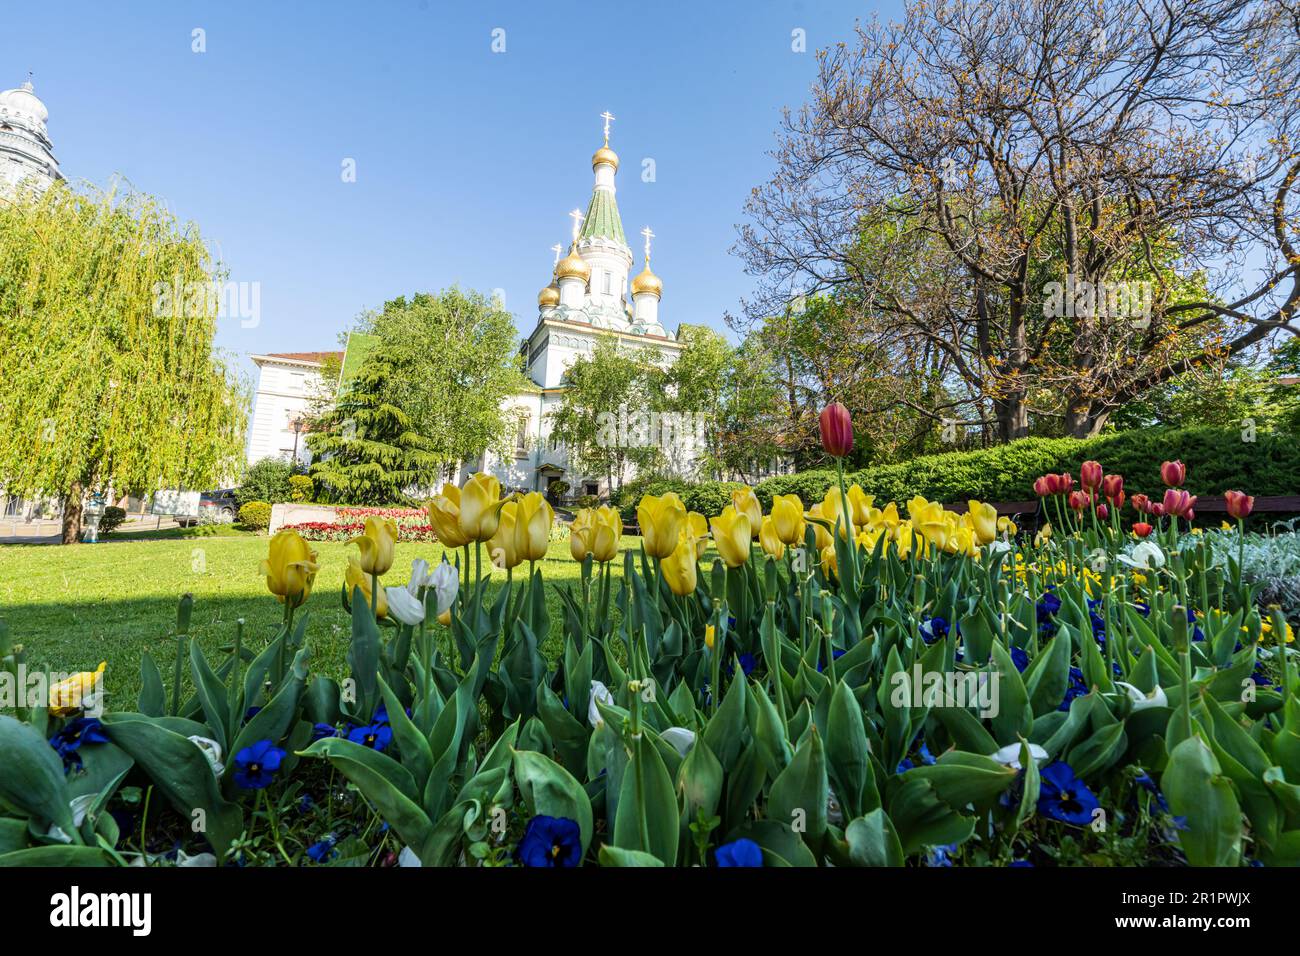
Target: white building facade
point(26, 154)
point(287, 385)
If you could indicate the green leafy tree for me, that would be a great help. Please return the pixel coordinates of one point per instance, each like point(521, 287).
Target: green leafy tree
point(455, 359)
point(108, 308)
point(366, 449)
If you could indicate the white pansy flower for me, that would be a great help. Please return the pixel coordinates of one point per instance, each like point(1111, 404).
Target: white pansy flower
point(212, 750)
point(598, 692)
point(1141, 701)
point(1010, 755)
point(1146, 556)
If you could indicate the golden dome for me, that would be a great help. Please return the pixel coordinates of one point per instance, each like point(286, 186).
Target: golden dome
point(647, 281)
point(573, 266)
point(605, 155)
point(549, 297)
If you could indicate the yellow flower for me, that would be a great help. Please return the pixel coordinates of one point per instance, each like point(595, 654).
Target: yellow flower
point(886, 518)
point(1043, 536)
point(661, 520)
point(933, 521)
point(596, 531)
point(445, 618)
point(904, 539)
point(829, 565)
point(744, 500)
point(679, 568)
point(697, 526)
point(983, 520)
point(533, 518)
point(1007, 527)
point(69, 696)
point(503, 546)
point(916, 506)
point(290, 568)
point(356, 577)
point(833, 510)
point(709, 632)
point(444, 517)
point(731, 536)
point(770, 540)
point(860, 504)
point(821, 534)
point(480, 507)
point(787, 516)
point(377, 544)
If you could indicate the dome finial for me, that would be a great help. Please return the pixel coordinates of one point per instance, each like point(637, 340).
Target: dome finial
point(608, 117)
point(647, 281)
point(605, 155)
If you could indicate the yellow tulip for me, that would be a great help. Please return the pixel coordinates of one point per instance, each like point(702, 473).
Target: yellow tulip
point(679, 568)
point(69, 696)
point(833, 510)
point(904, 539)
point(916, 506)
point(503, 546)
point(822, 535)
point(377, 545)
point(829, 566)
point(480, 507)
point(1043, 536)
point(533, 518)
point(860, 504)
point(697, 526)
point(983, 520)
point(745, 501)
point(709, 636)
point(582, 534)
point(933, 523)
point(731, 536)
point(290, 568)
point(609, 530)
point(787, 515)
point(770, 540)
point(356, 577)
point(444, 517)
point(1007, 527)
point(661, 520)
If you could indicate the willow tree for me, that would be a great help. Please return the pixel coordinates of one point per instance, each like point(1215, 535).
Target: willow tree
point(108, 382)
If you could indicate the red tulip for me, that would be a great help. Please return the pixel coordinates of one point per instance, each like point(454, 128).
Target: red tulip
point(1173, 473)
point(1179, 504)
point(1103, 512)
point(1112, 486)
point(1118, 500)
point(1141, 504)
point(837, 430)
point(1090, 475)
point(1156, 510)
point(1079, 500)
point(1239, 504)
point(1044, 486)
point(1141, 529)
point(1064, 482)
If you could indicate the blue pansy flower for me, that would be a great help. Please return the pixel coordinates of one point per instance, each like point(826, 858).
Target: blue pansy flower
point(83, 730)
point(1076, 688)
point(836, 654)
point(321, 731)
point(747, 664)
point(323, 849)
point(939, 855)
point(933, 629)
point(1063, 796)
point(551, 841)
point(740, 852)
point(1020, 863)
point(1143, 780)
point(374, 736)
point(1046, 609)
point(256, 765)
point(1020, 658)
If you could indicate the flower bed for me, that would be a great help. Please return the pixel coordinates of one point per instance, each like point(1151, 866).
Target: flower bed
point(412, 524)
point(839, 684)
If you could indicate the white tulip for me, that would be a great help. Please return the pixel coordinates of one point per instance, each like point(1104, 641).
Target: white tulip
point(212, 750)
point(598, 692)
point(419, 575)
point(681, 739)
point(1141, 701)
point(1010, 755)
point(404, 606)
point(445, 581)
point(408, 858)
point(1146, 556)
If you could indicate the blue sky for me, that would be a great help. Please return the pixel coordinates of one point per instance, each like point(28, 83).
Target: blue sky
point(467, 161)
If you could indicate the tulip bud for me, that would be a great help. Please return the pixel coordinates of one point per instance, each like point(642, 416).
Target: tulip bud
point(1090, 475)
point(1079, 500)
point(1239, 504)
point(1173, 473)
point(1178, 503)
point(1142, 504)
point(836, 430)
point(1103, 512)
point(1112, 486)
point(1141, 529)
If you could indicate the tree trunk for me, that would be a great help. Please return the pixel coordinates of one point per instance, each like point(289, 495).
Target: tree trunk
point(1013, 417)
point(72, 514)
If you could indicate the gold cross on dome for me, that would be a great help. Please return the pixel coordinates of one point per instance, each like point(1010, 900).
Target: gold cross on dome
point(577, 218)
point(607, 116)
point(648, 236)
point(557, 249)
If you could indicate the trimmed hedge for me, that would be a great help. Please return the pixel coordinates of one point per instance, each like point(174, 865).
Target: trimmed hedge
point(1217, 459)
point(255, 515)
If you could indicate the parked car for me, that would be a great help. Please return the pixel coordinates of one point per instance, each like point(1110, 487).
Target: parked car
point(218, 505)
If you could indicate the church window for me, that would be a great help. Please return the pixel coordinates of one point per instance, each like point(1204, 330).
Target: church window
point(609, 284)
point(521, 436)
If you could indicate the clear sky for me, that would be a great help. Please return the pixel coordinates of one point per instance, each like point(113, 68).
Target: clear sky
point(467, 160)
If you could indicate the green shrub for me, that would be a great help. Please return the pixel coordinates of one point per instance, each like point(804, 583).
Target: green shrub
point(110, 520)
point(255, 515)
point(301, 488)
point(266, 480)
point(1217, 459)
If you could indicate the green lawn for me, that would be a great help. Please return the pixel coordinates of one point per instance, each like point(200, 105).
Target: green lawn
point(74, 606)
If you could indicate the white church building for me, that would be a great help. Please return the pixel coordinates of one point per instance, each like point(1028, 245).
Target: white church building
point(591, 296)
point(26, 154)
